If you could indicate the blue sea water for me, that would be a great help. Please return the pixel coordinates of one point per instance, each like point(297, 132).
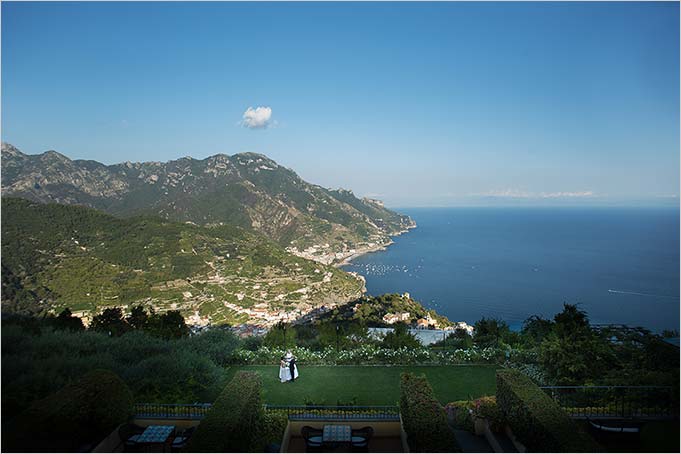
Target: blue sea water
point(621, 265)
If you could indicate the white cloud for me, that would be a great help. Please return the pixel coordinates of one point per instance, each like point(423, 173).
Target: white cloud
point(258, 118)
point(518, 194)
point(560, 195)
point(515, 193)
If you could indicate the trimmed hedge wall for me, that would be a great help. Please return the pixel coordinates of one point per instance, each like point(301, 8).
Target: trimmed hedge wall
point(423, 418)
point(80, 414)
point(232, 423)
point(271, 431)
point(538, 422)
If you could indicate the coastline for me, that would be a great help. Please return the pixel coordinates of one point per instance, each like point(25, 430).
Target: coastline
point(367, 250)
point(347, 260)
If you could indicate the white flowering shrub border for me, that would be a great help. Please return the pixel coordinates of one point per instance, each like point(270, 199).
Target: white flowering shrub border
point(373, 355)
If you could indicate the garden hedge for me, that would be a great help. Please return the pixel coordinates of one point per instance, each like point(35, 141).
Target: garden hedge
point(271, 431)
point(537, 421)
point(232, 423)
point(79, 415)
point(423, 418)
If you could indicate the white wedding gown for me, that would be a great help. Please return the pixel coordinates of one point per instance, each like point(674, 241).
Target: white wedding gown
point(285, 373)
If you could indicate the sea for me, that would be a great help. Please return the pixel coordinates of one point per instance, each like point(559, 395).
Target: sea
point(620, 265)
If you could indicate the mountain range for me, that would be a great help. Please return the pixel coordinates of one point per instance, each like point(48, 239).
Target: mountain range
point(226, 239)
point(246, 190)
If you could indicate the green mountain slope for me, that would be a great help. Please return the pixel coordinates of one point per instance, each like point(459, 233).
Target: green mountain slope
point(247, 190)
point(84, 259)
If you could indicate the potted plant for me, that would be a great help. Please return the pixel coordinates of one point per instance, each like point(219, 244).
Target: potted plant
point(485, 413)
point(479, 423)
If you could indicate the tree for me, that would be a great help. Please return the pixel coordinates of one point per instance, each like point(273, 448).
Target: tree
point(169, 325)
point(252, 343)
point(110, 321)
point(535, 329)
point(332, 335)
point(66, 320)
point(280, 335)
point(306, 336)
point(573, 354)
point(400, 337)
point(357, 334)
point(571, 321)
point(138, 317)
point(489, 332)
point(461, 338)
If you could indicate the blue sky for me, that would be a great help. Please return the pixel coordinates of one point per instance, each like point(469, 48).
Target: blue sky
point(418, 104)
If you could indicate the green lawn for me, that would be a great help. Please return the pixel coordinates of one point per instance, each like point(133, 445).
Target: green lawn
point(371, 385)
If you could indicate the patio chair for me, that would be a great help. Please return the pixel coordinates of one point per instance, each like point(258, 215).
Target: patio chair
point(313, 438)
point(129, 433)
point(181, 440)
point(360, 439)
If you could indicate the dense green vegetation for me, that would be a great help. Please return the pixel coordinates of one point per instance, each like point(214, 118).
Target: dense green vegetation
point(58, 256)
point(567, 350)
point(168, 325)
point(79, 415)
point(572, 352)
point(151, 350)
point(423, 418)
point(342, 336)
point(38, 359)
point(536, 419)
point(160, 362)
point(369, 311)
point(357, 385)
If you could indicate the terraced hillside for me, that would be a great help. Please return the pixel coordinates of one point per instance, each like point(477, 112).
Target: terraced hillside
point(55, 256)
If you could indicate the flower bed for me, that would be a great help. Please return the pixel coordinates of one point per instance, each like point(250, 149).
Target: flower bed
point(370, 354)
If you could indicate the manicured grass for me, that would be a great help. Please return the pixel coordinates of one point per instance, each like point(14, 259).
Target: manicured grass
point(371, 385)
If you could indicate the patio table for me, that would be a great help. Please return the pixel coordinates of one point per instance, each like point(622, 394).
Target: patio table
point(335, 434)
point(156, 435)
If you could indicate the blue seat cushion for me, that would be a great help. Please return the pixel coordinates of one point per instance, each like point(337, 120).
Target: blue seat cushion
point(314, 441)
point(133, 439)
point(179, 440)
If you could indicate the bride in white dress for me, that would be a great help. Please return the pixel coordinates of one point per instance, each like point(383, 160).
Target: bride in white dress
point(284, 373)
point(285, 368)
